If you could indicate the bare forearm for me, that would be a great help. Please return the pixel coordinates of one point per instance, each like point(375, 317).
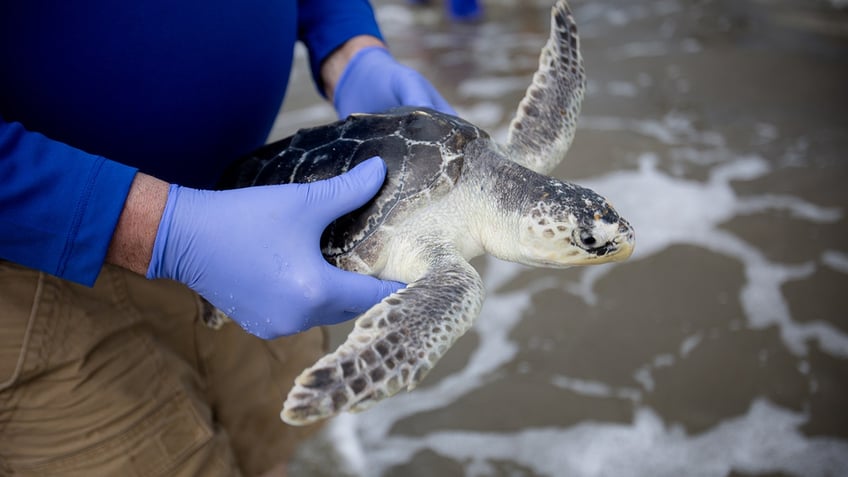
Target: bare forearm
point(132, 242)
point(334, 65)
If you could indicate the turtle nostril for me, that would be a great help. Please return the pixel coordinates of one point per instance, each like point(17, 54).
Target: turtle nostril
point(587, 239)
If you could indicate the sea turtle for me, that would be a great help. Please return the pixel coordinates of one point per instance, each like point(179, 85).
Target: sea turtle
point(451, 193)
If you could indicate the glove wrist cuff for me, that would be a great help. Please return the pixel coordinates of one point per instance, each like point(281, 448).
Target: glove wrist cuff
point(157, 267)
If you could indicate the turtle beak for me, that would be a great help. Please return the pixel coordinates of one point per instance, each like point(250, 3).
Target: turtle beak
point(622, 246)
point(618, 249)
point(622, 253)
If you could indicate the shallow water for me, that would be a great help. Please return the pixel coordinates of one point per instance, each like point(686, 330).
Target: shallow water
point(719, 129)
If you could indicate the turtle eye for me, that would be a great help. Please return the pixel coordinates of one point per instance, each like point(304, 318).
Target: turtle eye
point(588, 239)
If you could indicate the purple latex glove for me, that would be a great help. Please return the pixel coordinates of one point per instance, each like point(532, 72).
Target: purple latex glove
point(254, 253)
point(373, 82)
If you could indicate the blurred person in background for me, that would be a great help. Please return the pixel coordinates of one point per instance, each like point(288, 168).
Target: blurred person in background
point(459, 10)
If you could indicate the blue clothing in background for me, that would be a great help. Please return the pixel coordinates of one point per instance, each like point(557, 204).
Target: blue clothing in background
point(91, 91)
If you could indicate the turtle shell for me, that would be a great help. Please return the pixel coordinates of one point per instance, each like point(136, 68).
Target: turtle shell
point(423, 151)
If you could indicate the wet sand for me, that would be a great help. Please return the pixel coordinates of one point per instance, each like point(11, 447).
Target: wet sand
point(720, 129)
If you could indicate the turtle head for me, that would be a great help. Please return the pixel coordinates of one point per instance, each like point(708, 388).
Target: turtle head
point(564, 224)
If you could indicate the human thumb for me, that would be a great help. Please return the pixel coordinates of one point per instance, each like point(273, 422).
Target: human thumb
point(334, 197)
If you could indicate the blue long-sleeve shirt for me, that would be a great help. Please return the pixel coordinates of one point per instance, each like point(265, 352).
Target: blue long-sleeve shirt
point(92, 91)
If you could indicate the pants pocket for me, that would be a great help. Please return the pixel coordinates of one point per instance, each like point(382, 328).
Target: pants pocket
point(92, 390)
point(152, 446)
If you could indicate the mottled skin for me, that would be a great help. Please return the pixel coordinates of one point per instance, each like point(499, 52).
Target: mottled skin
point(451, 193)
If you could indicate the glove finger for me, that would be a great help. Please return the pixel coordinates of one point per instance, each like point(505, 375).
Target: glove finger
point(415, 90)
point(440, 104)
point(411, 89)
point(357, 293)
point(331, 198)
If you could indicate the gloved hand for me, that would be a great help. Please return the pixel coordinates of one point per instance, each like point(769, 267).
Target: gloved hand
point(373, 81)
point(254, 253)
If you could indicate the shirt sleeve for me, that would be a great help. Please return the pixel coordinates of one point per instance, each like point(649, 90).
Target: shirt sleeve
point(324, 25)
point(58, 205)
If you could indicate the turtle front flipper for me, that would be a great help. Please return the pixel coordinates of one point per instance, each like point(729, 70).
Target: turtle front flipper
point(546, 120)
point(392, 346)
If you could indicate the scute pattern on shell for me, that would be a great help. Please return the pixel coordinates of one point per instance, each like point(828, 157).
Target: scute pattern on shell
point(423, 151)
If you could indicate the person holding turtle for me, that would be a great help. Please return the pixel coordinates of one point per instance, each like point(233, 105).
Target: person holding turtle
point(115, 122)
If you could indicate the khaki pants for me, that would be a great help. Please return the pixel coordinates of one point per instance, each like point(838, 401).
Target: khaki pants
point(125, 379)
